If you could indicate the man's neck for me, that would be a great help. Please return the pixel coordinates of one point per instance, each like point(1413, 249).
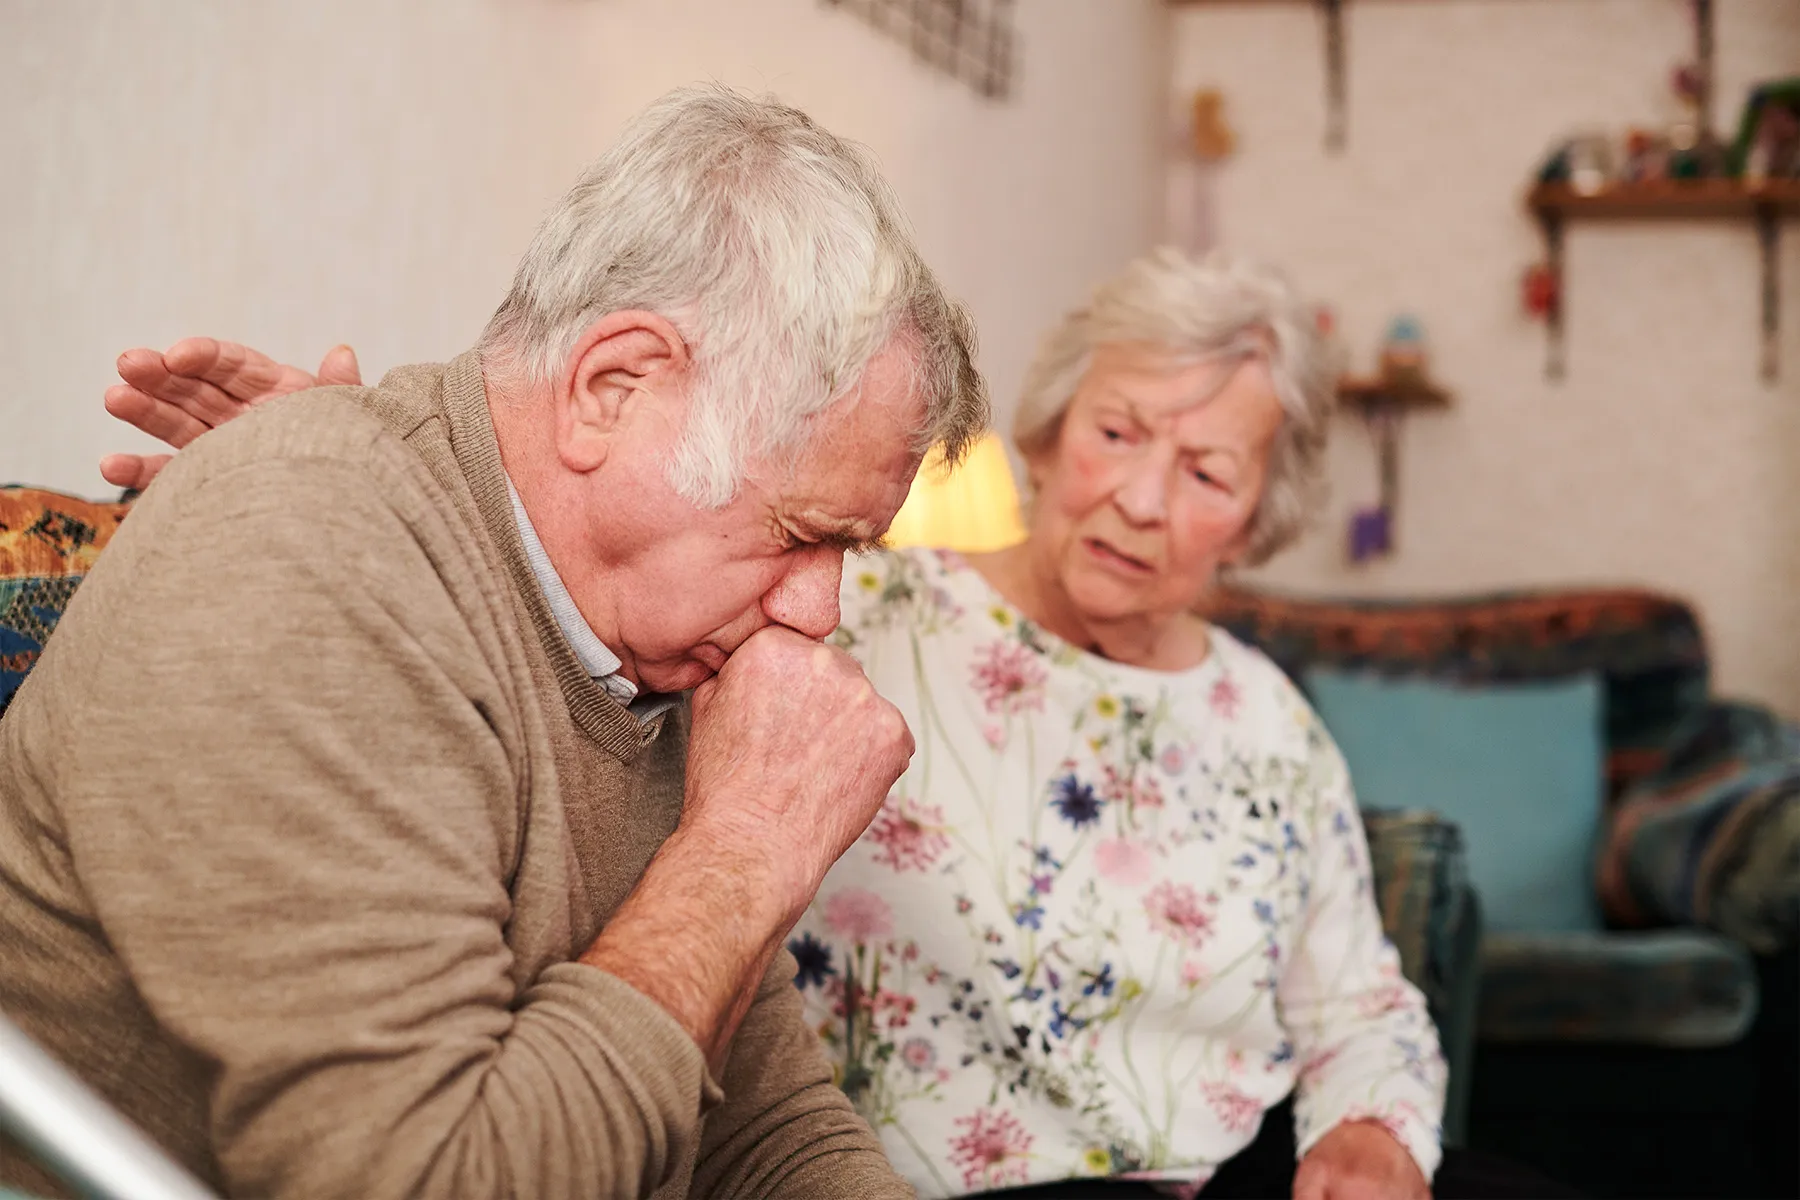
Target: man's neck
point(524, 431)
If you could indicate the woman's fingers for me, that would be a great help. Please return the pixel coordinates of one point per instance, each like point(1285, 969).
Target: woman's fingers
point(245, 375)
point(132, 470)
point(149, 373)
point(340, 366)
point(162, 419)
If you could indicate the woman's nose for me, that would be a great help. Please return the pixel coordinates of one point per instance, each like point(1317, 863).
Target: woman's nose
point(806, 598)
point(1142, 494)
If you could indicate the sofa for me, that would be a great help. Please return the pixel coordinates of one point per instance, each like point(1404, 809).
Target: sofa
point(1655, 1056)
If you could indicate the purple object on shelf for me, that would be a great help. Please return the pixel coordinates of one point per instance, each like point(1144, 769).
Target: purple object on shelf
point(1371, 533)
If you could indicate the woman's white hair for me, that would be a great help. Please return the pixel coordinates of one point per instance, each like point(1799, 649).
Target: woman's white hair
point(778, 252)
point(1199, 309)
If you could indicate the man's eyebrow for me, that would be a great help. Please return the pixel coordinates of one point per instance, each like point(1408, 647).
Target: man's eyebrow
point(841, 539)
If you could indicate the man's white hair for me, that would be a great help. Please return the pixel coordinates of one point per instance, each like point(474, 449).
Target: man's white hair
point(777, 251)
point(1198, 309)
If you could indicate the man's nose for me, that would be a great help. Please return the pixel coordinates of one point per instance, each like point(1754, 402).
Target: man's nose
point(806, 598)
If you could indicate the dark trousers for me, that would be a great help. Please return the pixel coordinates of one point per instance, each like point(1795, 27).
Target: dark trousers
point(1264, 1170)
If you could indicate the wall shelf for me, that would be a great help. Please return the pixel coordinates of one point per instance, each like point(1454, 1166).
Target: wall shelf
point(1765, 204)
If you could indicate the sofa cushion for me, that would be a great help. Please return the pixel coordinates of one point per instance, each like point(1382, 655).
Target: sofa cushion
point(1674, 987)
point(1713, 838)
point(1646, 648)
point(48, 542)
point(1515, 766)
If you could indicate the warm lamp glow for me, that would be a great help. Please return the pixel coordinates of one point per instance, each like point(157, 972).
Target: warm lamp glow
point(973, 508)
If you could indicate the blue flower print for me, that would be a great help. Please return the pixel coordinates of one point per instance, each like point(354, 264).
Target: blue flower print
point(814, 958)
point(1028, 918)
point(1062, 1021)
point(1075, 801)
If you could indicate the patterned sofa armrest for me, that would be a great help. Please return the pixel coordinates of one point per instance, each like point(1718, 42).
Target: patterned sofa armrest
point(1432, 916)
point(1712, 839)
point(48, 542)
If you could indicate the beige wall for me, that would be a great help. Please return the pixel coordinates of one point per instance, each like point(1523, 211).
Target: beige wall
point(1662, 460)
point(296, 174)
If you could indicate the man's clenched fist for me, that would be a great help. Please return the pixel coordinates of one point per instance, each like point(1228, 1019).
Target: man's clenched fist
point(791, 755)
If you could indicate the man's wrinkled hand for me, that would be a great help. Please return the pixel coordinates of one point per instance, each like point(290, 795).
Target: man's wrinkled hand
point(196, 385)
point(1359, 1160)
point(792, 754)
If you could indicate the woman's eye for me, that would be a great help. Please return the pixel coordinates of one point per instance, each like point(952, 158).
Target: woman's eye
point(1112, 435)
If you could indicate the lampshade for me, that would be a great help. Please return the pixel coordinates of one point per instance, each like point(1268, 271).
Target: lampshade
point(973, 508)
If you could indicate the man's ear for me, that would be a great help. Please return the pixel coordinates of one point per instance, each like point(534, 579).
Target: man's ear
point(620, 361)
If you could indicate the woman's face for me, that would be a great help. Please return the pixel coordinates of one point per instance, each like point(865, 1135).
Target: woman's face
point(1150, 485)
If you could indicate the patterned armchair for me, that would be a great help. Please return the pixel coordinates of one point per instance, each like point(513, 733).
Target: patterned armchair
point(1624, 1061)
point(48, 542)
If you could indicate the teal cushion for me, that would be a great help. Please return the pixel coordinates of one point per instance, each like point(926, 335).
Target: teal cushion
point(1516, 765)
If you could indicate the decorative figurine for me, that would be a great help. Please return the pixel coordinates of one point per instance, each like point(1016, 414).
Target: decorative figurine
point(1403, 351)
point(1539, 291)
point(1401, 387)
point(1213, 139)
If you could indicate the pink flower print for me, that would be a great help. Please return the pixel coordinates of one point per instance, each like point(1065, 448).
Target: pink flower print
point(995, 735)
point(1009, 677)
point(1315, 1066)
point(1236, 1111)
point(1225, 697)
point(1146, 793)
point(918, 1055)
point(894, 1007)
point(1172, 759)
point(1379, 1001)
point(1176, 911)
point(1193, 974)
point(1123, 862)
point(859, 915)
point(910, 835)
point(991, 1150)
point(1140, 791)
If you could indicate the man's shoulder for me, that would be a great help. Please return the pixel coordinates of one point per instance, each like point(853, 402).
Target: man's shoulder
point(338, 437)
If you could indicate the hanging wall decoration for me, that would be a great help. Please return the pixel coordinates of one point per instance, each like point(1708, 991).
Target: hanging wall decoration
point(1401, 386)
point(970, 40)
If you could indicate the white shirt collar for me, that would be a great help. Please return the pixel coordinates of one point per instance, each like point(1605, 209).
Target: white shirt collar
point(600, 662)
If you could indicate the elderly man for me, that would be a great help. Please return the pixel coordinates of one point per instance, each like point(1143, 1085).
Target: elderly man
point(354, 839)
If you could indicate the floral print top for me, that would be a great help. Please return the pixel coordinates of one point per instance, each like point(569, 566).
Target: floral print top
point(1107, 917)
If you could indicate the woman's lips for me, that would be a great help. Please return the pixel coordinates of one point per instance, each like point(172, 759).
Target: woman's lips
point(1117, 559)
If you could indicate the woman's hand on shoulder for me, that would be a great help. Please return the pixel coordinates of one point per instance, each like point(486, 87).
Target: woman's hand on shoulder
point(196, 385)
point(1359, 1160)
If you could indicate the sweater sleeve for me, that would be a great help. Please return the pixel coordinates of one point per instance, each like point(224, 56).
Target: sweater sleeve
point(292, 782)
point(1364, 1042)
point(784, 1129)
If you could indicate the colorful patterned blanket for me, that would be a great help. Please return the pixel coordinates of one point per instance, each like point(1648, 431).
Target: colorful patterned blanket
point(47, 543)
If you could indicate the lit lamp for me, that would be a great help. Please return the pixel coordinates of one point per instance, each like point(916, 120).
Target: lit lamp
point(973, 508)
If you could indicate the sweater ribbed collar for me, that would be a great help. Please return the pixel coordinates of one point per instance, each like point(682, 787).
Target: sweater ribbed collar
point(477, 452)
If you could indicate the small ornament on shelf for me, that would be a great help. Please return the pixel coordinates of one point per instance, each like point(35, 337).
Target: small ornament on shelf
point(1402, 386)
point(1540, 291)
point(1213, 138)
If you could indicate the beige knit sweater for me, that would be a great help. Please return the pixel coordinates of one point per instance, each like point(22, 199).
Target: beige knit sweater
point(308, 809)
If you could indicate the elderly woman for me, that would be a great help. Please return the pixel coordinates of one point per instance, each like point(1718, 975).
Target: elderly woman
point(1120, 905)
